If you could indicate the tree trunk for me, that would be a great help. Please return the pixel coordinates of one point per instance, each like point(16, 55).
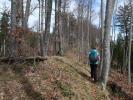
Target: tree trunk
point(55, 30)
point(27, 13)
point(64, 23)
point(13, 15)
point(41, 27)
point(39, 30)
point(19, 11)
point(82, 33)
point(4, 48)
point(88, 18)
point(39, 17)
point(60, 29)
point(130, 44)
point(125, 60)
point(106, 52)
point(90, 35)
point(13, 28)
point(48, 5)
point(102, 33)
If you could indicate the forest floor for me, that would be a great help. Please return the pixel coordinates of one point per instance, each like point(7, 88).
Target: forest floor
point(119, 87)
point(57, 78)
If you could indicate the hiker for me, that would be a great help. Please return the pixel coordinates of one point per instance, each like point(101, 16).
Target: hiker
point(94, 58)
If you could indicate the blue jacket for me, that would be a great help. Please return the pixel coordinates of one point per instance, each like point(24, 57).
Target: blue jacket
point(94, 50)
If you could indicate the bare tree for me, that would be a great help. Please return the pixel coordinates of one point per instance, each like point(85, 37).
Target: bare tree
point(130, 44)
point(27, 13)
point(102, 34)
point(81, 30)
point(55, 29)
point(48, 11)
point(106, 52)
point(89, 18)
point(90, 21)
point(19, 11)
point(13, 27)
point(58, 28)
point(41, 3)
point(64, 22)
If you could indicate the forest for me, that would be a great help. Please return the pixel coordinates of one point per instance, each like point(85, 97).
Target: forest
point(44, 47)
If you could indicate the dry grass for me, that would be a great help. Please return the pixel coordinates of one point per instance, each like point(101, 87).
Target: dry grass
point(57, 78)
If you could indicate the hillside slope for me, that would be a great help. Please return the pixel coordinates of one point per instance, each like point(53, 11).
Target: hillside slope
point(57, 78)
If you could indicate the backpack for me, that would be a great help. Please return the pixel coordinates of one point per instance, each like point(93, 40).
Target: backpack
point(93, 56)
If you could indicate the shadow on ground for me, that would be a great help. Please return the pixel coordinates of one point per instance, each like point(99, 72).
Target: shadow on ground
point(26, 85)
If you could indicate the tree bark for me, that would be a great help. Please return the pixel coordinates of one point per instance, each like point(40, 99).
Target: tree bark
point(88, 18)
point(106, 52)
point(55, 29)
point(60, 28)
point(13, 28)
point(27, 13)
point(102, 33)
point(90, 35)
point(19, 13)
point(41, 27)
point(48, 5)
point(130, 44)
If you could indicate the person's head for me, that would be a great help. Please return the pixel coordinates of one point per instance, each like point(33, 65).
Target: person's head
point(93, 47)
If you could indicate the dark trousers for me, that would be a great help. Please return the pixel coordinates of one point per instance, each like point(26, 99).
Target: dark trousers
point(94, 71)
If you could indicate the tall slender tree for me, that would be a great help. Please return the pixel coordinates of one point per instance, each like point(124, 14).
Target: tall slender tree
point(19, 11)
point(48, 11)
point(55, 29)
point(89, 18)
point(13, 27)
point(130, 43)
point(26, 15)
point(102, 34)
point(41, 26)
point(106, 52)
point(60, 52)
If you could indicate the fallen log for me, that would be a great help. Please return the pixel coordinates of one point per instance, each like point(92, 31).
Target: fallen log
point(22, 59)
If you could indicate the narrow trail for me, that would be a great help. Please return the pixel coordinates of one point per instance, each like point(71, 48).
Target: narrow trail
point(86, 85)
